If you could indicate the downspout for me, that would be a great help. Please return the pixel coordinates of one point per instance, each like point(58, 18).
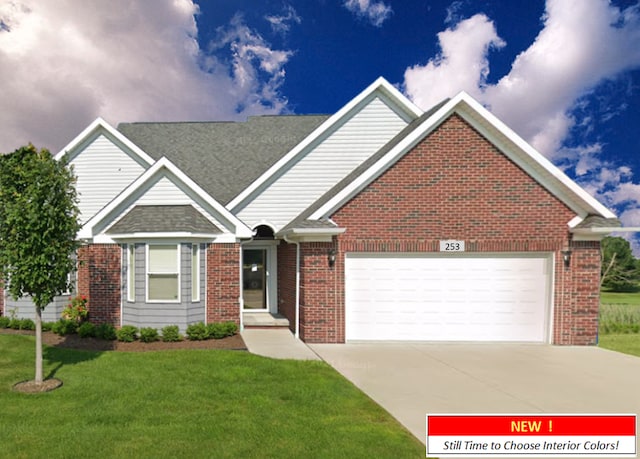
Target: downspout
point(297, 306)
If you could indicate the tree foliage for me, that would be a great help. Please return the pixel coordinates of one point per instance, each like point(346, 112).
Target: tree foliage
point(38, 227)
point(619, 267)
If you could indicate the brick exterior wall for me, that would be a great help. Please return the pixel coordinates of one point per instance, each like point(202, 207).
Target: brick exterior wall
point(99, 277)
point(223, 283)
point(453, 185)
point(287, 282)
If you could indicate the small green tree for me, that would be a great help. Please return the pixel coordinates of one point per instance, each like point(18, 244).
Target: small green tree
point(38, 227)
point(619, 267)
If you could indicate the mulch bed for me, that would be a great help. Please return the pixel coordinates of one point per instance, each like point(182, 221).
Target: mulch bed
point(92, 344)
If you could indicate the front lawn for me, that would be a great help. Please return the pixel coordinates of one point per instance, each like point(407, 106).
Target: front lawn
point(189, 404)
point(625, 343)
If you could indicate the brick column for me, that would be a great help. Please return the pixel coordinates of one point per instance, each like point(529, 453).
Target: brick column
point(99, 277)
point(223, 283)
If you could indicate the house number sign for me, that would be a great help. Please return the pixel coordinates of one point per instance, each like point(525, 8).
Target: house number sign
point(451, 246)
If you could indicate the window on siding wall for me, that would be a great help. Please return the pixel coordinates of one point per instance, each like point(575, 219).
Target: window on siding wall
point(195, 272)
point(163, 273)
point(131, 272)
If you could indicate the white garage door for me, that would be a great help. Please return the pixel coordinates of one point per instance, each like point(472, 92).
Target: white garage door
point(454, 298)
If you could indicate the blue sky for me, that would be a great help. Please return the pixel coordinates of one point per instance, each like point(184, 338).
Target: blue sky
point(564, 74)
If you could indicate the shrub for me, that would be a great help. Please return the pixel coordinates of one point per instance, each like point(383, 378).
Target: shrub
point(127, 334)
point(231, 327)
point(219, 330)
point(197, 332)
point(87, 330)
point(149, 335)
point(77, 309)
point(171, 334)
point(64, 327)
point(4, 322)
point(47, 326)
point(106, 331)
point(15, 324)
point(27, 324)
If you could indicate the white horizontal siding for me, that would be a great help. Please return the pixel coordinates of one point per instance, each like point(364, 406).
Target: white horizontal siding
point(103, 170)
point(324, 165)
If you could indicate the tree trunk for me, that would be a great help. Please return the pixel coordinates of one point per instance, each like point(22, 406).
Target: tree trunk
point(38, 378)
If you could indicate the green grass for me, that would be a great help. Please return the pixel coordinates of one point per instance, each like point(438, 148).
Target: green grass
point(627, 343)
point(189, 404)
point(620, 298)
point(619, 318)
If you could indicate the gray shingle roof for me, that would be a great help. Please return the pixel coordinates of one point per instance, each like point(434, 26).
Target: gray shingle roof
point(159, 219)
point(223, 157)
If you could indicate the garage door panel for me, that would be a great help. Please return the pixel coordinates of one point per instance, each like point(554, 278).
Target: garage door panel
point(484, 298)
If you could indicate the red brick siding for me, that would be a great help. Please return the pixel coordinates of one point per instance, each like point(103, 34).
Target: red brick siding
point(287, 282)
point(321, 316)
point(223, 283)
point(577, 295)
point(99, 277)
point(453, 185)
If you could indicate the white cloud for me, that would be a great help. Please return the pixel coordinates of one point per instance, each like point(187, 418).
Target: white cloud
point(282, 24)
point(64, 63)
point(583, 43)
point(462, 64)
point(376, 12)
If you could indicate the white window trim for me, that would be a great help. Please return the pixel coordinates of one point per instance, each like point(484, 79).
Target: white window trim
point(131, 276)
point(178, 246)
point(195, 276)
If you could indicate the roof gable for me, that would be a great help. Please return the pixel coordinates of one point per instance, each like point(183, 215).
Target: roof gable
point(380, 88)
point(223, 157)
point(506, 140)
point(101, 127)
point(164, 184)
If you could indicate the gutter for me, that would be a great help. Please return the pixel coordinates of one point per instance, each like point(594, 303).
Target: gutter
point(297, 328)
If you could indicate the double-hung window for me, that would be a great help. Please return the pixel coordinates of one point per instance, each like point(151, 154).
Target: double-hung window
point(163, 272)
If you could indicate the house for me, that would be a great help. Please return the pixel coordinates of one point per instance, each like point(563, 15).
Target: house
point(380, 222)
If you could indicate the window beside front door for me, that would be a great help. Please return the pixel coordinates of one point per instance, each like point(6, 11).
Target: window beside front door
point(195, 272)
point(163, 273)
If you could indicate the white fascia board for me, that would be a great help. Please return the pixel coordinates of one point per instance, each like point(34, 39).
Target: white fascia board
point(460, 104)
point(590, 203)
point(100, 124)
point(379, 85)
point(241, 230)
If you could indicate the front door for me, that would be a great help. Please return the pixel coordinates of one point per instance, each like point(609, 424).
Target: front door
point(254, 279)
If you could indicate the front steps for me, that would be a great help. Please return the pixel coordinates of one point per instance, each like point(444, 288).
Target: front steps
point(264, 320)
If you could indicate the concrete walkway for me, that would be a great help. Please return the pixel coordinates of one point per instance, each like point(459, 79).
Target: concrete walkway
point(277, 343)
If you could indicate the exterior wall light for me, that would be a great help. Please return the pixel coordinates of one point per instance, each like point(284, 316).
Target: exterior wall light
point(566, 257)
point(331, 257)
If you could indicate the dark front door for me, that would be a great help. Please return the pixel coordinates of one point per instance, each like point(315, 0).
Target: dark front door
point(254, 278)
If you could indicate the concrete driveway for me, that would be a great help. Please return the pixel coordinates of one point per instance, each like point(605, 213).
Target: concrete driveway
point(411, 380)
